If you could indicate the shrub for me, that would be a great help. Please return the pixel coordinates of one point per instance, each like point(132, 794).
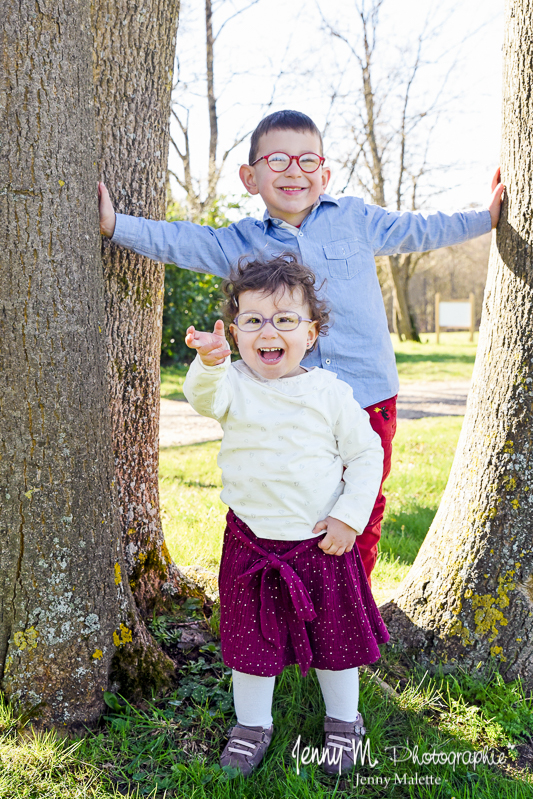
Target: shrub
point(190, 297)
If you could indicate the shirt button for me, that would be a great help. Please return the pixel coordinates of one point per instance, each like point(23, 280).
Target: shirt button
point(300, 233)
point(328, 361)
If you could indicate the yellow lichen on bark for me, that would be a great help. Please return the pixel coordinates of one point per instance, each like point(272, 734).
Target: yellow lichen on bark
point(26, 638)
point(125, 636)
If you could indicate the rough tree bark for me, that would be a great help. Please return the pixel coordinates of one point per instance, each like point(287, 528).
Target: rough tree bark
point(469, 594)
point(64, 605)
point(133, 61)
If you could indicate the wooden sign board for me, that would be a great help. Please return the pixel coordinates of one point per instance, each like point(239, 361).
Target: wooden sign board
point(458, 314)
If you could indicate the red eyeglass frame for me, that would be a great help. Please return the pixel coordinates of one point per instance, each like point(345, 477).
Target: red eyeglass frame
point(291, 159)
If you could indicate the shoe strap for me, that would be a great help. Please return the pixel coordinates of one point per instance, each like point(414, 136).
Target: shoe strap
point(250, 746)
point(247, 733)
point(354, 728)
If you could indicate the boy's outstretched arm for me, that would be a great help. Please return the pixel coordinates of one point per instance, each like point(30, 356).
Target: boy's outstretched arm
point(107, 212)
point(495, 204)
point(211, 347)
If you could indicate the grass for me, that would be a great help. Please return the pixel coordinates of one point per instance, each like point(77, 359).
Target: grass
point(421, 461)
point(193, 515)
point(169, 747)
point(172, 379)
point(452, 359)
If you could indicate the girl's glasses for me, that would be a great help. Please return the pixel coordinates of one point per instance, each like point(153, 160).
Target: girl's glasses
point(250, 322)
point(279, 162)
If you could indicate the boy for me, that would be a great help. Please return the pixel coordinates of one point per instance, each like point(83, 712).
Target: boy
point(338, 239)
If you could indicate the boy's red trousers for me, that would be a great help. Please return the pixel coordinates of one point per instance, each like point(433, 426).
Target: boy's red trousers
point(383, 421)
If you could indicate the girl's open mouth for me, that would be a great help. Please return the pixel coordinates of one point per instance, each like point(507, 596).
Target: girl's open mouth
point(270, 354)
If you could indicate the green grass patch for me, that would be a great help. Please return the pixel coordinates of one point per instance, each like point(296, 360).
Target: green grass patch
point(422, 456)
point(40, 765)
point(193, 515)
point(172, 380)
point(452, 359)
point(169, 747)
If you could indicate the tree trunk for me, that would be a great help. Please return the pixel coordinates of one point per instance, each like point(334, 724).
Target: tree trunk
point(133, 61)
point(469, 594)
point(212, 178)
point(64, 607)
point(406, 328)
point(405, 319)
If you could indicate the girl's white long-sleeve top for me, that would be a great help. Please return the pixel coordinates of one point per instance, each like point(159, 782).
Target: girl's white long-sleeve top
point(285, 444)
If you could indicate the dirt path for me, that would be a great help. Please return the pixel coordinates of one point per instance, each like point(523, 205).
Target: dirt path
point(180, 424)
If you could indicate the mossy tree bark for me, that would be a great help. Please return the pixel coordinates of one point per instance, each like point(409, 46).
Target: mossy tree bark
point(65, 609)
point(469, 594)
point(133, 60)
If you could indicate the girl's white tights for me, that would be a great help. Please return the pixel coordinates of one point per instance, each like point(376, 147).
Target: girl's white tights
point(252, 696)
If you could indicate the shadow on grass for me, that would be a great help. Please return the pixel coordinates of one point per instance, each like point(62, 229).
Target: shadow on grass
point(434, 357)
point(179, 396)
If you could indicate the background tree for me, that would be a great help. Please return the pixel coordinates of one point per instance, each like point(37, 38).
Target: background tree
point(198, 202)
point(469, 594)
point(65, 607)
point(454, 272)
point(132, 93)
point(185, 291)
point(374, 102)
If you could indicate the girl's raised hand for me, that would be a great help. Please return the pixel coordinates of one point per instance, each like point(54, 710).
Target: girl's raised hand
point(212, 347)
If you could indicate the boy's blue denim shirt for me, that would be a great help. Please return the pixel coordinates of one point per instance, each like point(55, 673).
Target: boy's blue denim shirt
point(338, 241)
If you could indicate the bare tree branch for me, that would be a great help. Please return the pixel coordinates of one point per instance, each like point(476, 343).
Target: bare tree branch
point(236, 14)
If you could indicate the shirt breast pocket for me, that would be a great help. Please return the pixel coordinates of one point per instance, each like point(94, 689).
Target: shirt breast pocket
point(343, 258)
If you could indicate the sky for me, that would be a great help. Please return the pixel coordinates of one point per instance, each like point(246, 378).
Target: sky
point(277, 55)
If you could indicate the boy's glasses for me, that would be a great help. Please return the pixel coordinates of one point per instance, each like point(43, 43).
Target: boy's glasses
point(279, 162)
point(252, 322)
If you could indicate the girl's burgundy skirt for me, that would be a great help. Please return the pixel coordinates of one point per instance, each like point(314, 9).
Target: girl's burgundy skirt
point(285, 602)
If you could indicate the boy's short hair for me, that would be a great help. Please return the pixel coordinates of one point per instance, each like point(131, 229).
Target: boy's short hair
point(282, 120)
point(272, 277)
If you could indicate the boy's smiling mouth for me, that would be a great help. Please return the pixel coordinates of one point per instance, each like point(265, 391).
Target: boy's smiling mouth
point(271, 354)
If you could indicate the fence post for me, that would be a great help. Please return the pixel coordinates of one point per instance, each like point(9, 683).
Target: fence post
point(437, 326)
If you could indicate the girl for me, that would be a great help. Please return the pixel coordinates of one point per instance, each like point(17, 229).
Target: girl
point(292, 586)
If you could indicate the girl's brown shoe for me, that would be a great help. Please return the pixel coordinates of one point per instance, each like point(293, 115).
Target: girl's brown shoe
point(341, 745)
point(246, 748)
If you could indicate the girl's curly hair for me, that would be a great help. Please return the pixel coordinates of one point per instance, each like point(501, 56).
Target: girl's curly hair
point(272, 277)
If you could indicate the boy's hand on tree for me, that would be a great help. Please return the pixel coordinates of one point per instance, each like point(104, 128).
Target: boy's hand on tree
point(107, 212)
point(340, 537)
point(211, 347)
point(495, 204)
